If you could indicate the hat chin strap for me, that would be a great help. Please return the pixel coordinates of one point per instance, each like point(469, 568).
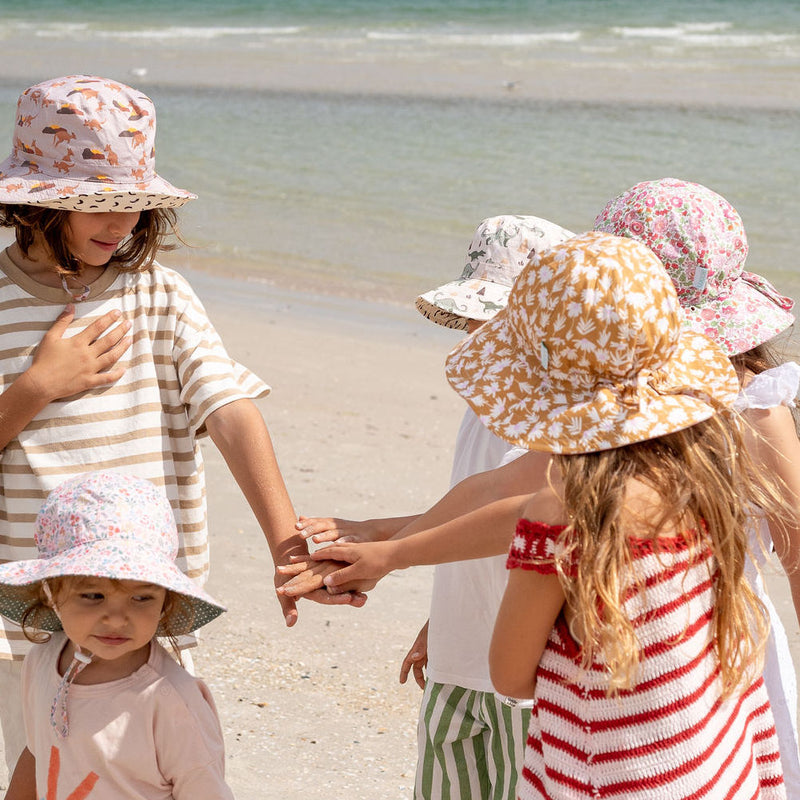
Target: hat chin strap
point(59, 718)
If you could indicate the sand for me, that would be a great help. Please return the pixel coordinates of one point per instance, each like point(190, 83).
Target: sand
point(363, 423)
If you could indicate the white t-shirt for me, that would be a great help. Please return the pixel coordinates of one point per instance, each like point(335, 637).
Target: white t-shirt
point(466, 594)
point(154, 735)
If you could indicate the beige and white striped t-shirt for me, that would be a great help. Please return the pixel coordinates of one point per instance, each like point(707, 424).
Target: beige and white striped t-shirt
point(146, 424)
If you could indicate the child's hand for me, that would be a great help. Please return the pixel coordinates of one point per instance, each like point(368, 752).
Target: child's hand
point(305, 579)
point(417, 657)
point(64, 367)
point(367, 563)
point(329, 529)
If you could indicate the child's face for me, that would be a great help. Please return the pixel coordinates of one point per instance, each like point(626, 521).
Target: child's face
point(111, 619)
point(93, 238)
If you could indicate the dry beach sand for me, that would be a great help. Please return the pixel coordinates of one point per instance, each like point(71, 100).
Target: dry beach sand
point(363, 424)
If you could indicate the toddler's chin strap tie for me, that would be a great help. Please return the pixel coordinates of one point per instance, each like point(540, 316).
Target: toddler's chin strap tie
point(80, 660)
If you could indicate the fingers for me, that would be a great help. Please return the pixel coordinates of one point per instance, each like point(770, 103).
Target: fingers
point(106, 345)
point(291, 570)
point(59, 327)
point(92, 332)
point(288, 609)
point(354, 599)
point(405, 667)
point(417, 661)
point(321, 529)
point(419, 673)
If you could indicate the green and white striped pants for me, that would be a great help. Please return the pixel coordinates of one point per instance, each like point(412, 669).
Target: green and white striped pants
point(470, 744)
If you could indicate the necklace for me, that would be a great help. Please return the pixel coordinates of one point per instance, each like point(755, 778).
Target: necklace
point(81, 296)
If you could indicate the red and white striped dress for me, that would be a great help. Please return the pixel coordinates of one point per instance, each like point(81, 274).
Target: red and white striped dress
point(671, 736)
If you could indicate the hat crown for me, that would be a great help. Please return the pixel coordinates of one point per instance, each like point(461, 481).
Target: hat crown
point(107, 508)
point(697, 234)
point(85, 128)
point(595, 309)
point(502, 246)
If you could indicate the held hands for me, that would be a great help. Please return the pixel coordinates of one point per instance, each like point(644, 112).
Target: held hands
point(313, 590)
point(329, 529)
point(368, 563)
point(63, 367)
point(416, 658)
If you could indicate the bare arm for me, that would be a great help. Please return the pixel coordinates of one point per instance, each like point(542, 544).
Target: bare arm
point(64, 367)
point(529, 609)
point(330, 529)
point(239, 431)
point(531, 604)
point(523, 476)
point(479, 534)
point(775, 447)
point(23, 781)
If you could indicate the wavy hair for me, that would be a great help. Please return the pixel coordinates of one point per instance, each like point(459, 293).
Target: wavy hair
point(148, 237)
point(705, 483)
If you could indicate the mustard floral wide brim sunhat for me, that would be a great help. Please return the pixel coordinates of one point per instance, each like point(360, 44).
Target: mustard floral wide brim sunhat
point(83, 143)
point(498, 252)
point(591, 354)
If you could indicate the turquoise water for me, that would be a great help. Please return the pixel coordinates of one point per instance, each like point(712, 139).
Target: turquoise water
point(382, 189)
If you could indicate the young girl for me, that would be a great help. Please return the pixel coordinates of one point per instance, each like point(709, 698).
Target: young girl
point(700, 239)
point(108, 713)
point(132, 373)
point(628, 616)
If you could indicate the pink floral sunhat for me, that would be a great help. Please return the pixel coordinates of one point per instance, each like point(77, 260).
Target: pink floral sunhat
point(700, 239)
point(500, 248)
point(105, 525)
point(590, 354)
point(83, 143)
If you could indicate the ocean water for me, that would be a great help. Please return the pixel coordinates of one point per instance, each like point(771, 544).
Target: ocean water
point(353, 147)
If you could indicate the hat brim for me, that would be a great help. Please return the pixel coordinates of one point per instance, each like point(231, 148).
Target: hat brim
point(743, 320)
point(121, 559)
point(453, 304)
point(17, 186)
point(519, 401)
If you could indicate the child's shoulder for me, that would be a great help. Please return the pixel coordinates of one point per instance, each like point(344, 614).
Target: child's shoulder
point(171, 680)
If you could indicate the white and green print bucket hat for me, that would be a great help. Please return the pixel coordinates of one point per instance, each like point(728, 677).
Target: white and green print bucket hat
point(500, 249)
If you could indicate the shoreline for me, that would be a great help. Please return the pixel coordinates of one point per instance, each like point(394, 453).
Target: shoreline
point(506, 76)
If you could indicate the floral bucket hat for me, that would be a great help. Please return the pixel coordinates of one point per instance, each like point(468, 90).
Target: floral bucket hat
point(105, 525)
point(700, 239)
point(83, 143)
point(499, 250)
point(590, 354)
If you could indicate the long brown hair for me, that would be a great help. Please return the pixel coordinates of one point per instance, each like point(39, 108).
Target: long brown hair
point(137, 253)
point(705, 483)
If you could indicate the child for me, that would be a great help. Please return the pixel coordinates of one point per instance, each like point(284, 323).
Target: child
point(137, 374)
point(700, 239)
point(470, 740)
point(589, 355)
point(627, 617)
point(108, 713)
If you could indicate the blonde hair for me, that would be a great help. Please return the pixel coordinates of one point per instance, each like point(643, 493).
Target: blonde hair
point(176, 606)
point(705, 483)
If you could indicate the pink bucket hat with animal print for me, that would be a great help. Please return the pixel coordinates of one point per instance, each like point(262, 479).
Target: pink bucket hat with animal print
point(700, 239)
point(497, 253)
point(105, 525)
point(591, 354)
point(83, 143)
